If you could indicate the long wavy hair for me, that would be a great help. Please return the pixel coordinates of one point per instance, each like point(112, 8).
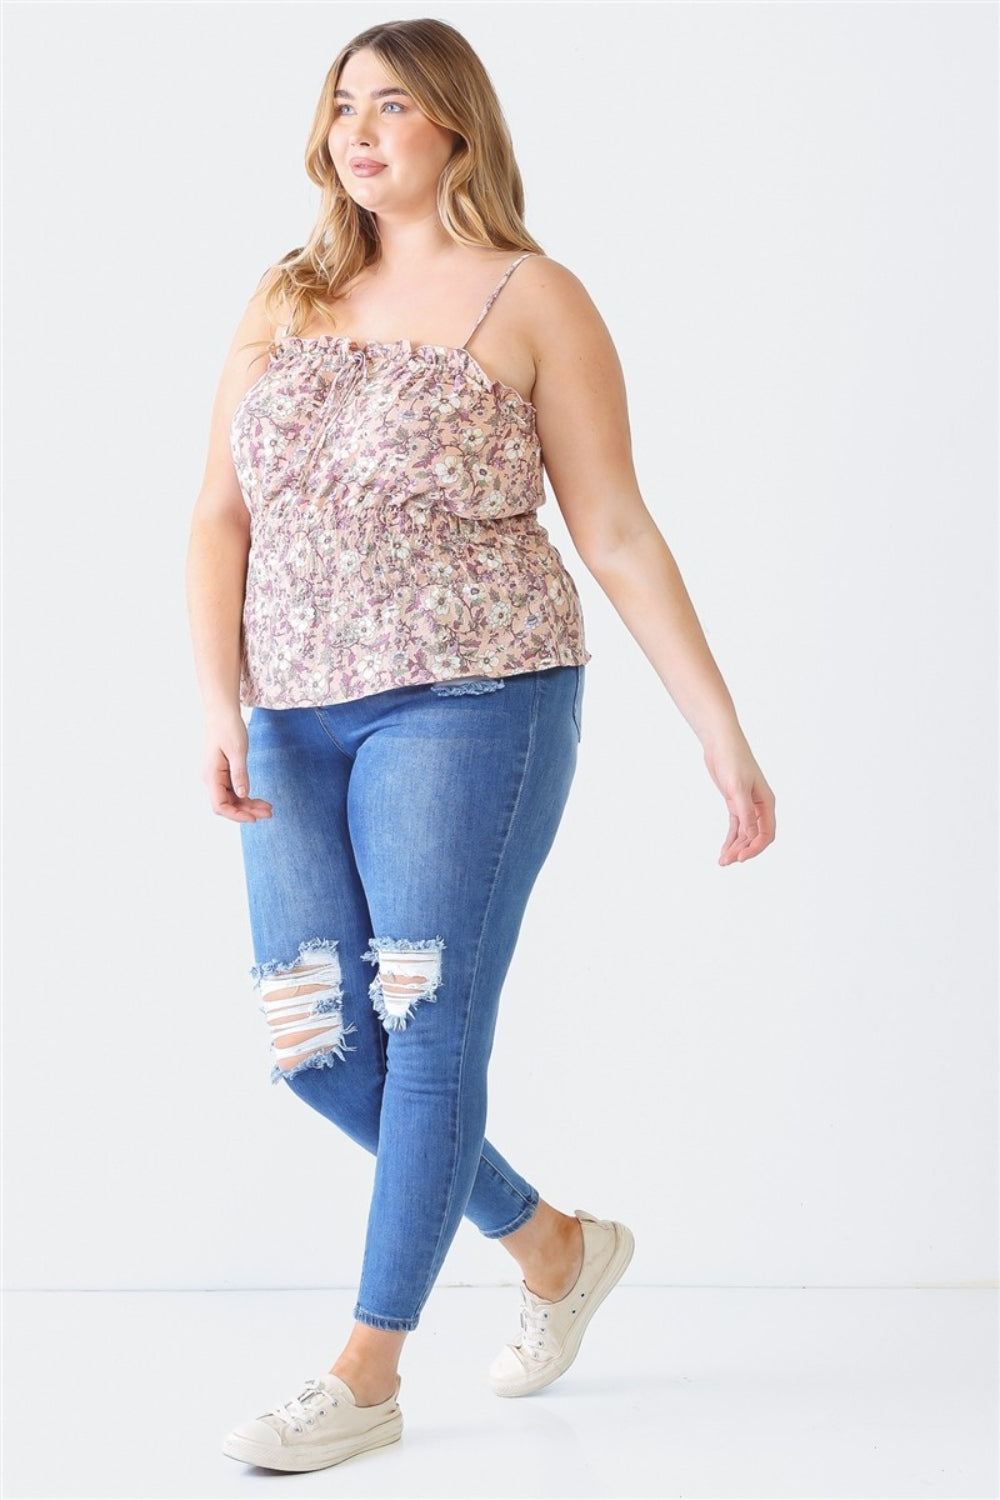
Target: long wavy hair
point(480, 195)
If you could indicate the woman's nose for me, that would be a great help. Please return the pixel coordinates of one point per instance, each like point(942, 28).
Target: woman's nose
point(363, 133)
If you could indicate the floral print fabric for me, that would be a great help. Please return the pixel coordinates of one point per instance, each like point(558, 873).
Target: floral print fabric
point(393, 492)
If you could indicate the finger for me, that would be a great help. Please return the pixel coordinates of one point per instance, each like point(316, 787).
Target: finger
point(235, 815)
point(240, 809)
point(221, 796)
point(238, 779)
point(755, 835)
point(750, 819)
point(747, 834)
point(759, 823)
point(733, 834)
point(255, 808)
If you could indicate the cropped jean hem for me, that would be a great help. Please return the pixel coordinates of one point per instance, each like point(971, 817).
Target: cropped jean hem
point(391, 1325)
point(526, 1213)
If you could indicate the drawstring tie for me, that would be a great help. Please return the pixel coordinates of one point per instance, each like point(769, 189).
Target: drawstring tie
point(351, 374)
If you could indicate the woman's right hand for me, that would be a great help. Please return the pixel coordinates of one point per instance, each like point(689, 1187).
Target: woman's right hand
point(225, 771)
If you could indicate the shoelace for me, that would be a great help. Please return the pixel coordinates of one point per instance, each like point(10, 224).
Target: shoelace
point(534, 1328)
point(303, 1408)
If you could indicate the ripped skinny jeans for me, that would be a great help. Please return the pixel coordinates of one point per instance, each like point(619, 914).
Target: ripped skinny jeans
point(386, 894)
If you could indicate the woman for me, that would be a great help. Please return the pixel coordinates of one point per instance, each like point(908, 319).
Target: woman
point(368, 575)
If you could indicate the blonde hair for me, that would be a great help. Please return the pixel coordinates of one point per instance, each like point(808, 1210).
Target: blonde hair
point(480, 196)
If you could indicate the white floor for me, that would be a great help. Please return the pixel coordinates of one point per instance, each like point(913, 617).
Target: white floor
point(676, 1392)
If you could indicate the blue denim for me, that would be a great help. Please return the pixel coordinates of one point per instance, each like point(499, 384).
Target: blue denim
point(408, 829)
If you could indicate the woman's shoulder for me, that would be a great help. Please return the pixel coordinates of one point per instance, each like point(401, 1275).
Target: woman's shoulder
point(282, 313)
point(552, 279)
point(552, 296)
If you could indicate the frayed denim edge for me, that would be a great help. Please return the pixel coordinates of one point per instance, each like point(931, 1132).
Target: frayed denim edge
point(322, 1005)
point(400, 945)
point(462, 686)
point(324, 1059)
point(277, 965)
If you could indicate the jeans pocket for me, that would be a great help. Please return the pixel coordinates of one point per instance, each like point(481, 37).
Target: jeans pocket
point(578, 704)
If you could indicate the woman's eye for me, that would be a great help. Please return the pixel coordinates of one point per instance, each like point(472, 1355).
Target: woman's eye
point(389, 104)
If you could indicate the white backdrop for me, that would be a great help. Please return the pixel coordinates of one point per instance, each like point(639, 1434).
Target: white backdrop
point(783, 1073)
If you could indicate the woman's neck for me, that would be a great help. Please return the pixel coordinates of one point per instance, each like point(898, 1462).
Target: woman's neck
point(410, 244)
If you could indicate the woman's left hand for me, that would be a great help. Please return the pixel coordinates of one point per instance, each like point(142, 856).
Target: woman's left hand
point(750, 800)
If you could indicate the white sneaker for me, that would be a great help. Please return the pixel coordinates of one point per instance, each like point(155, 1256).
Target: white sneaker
point(322, 1426)
point(551, 1332)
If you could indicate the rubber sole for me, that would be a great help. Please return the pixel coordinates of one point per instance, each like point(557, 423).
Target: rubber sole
point(291, 1461)
point(613, 1272)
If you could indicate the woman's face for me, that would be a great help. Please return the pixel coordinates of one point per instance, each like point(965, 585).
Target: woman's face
point(386, 153)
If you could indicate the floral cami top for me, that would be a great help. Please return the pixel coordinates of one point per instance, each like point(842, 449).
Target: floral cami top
point(393, 491)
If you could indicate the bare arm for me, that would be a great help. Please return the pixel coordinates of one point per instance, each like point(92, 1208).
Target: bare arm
point(579, 395)
point(218, 547)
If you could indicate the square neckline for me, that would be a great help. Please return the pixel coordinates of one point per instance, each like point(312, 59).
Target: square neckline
point(496, 386)
point(363, 345)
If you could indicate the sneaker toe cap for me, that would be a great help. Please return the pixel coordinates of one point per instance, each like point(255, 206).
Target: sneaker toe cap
point(259, 1432)
point(506, 1367)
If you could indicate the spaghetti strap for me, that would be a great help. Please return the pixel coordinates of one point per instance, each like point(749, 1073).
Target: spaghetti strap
point(497, 290)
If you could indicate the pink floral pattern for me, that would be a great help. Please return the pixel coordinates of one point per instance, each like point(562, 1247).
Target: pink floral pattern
point(393, 492)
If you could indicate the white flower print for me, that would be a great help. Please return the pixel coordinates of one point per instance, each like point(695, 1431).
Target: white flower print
point(438, 600)
point(449, 470)
point(382, 400)
point(301, 617)
point(365, 465)
point(282, 406)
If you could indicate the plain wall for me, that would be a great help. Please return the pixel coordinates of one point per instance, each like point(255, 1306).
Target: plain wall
point(780, 1073)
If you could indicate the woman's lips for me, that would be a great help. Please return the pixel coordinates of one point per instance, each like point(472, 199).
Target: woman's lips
point(367, 168)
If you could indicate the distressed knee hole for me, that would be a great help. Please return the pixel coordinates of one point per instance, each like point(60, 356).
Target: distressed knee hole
point(408, 971)
point(302, 1002)
point(456, 685)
